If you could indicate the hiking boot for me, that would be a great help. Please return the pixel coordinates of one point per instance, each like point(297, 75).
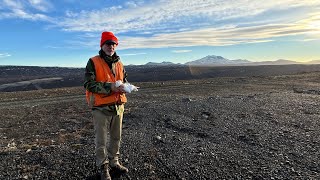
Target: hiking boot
point(119, 168)
point(104, 172)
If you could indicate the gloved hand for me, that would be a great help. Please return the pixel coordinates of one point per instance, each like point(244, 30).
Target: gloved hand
point(127, 87)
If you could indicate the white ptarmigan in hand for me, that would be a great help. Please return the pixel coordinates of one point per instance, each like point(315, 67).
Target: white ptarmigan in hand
point(127, 87)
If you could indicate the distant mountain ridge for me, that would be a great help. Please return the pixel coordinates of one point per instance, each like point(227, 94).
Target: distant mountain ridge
point(314, 62)
point(162, 63)
point(212, 60)
point(216, 60)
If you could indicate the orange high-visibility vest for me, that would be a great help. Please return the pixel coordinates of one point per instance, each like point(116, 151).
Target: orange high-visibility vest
point(104, 74)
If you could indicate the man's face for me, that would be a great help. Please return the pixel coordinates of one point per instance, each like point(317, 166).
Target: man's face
point(109, 48)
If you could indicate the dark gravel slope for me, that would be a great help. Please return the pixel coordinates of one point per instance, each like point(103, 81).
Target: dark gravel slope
point(223, 128)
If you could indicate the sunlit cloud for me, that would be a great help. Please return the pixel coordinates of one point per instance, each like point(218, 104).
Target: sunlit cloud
point(164, 15)
point(4, 55)
point(133, 54)
point(181, 51)
point(179, 23)
point(183, 23)
point(309, 39)
point(313, 22)
point(213, 36)
point(220, 37)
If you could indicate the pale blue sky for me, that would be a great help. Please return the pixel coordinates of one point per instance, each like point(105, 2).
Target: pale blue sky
point(67, 32)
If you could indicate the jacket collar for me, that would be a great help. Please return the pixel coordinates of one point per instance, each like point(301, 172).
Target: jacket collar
point(109, 59)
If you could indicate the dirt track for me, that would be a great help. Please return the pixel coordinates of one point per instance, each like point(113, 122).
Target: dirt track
point(223, 128)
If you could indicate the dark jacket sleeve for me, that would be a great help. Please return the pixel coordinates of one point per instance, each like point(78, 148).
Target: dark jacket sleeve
point(90, 81)
point(125, 76)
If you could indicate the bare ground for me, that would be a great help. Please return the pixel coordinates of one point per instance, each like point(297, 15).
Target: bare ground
point(219, 128)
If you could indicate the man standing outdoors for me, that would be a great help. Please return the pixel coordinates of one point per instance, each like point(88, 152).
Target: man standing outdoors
point(107, 102)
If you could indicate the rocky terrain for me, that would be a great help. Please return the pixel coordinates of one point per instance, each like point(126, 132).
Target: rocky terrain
point(26, 78)
point(254, 127)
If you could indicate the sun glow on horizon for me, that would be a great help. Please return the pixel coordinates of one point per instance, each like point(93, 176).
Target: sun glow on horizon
point(314, 23)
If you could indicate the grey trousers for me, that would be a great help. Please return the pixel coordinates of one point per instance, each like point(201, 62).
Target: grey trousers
point(107, 129)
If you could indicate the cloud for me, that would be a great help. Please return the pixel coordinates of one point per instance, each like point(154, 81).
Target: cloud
point(165, 23)
point(41, 5)
point(166, 15)
point(4, 55)
point(181, 51)
point(309, 39)
point(222, 36)
point(131, 4)
point(228, 35)
point(12, 4)
point(133, 54)
point(24, 10)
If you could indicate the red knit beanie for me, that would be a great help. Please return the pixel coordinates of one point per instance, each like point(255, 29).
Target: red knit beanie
point(108, 36)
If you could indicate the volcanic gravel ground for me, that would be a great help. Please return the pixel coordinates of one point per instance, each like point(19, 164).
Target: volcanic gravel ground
point(220, 128)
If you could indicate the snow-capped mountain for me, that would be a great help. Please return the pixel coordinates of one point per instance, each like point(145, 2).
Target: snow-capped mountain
point(216, 60)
